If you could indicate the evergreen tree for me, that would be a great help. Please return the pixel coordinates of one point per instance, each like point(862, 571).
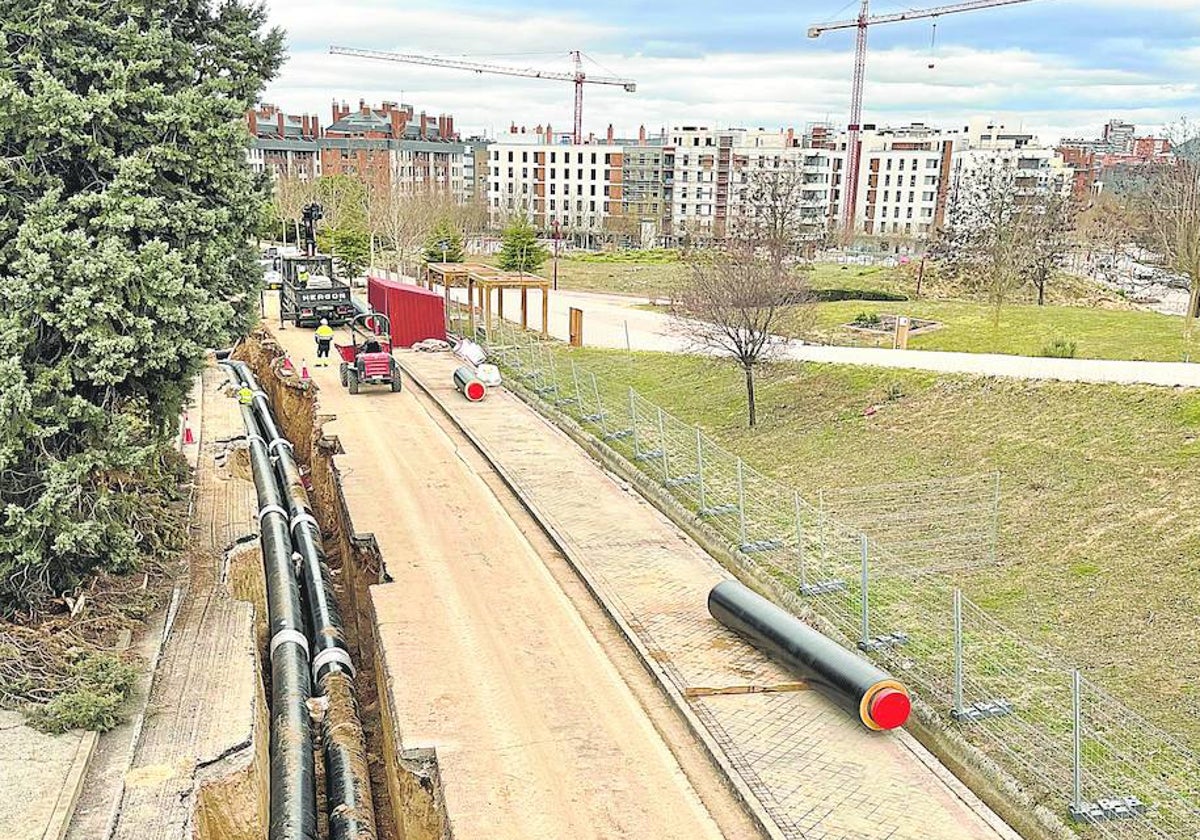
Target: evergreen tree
point(519, 248)
point(126, 222)
point(352, 247)
point(445, 243)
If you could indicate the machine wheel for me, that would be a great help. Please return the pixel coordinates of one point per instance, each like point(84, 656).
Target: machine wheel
point(342, 369)
point(396, 383)
point(352, 381)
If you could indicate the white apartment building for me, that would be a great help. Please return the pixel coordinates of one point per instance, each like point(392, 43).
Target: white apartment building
point(903, 174)
point(708, 172)
point(577, 186)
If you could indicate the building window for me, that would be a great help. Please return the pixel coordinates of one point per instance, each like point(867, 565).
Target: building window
point(510, 157)
point(524, 157)
point(593, 159)
point(889, 163)
point(593, 172)
point(580, 171)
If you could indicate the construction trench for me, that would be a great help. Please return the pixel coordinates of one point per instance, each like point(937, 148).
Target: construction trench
point(359, 793)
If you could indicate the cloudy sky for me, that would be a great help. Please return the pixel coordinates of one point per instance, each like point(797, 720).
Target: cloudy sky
point(1057, 67)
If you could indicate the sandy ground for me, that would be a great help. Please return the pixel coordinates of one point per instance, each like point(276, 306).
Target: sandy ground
point(536, 732)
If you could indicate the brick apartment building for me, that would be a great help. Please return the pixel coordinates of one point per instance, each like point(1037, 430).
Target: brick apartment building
point(286, 145)
point(390, 146)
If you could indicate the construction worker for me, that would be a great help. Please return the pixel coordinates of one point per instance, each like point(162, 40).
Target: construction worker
point(324, 337)
point(303, 277)
point(245, 395)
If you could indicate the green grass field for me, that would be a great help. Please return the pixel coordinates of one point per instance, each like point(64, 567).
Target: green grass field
point(1022, 329)
point(1100, 553)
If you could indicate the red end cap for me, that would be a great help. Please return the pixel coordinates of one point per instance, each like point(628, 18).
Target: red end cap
point(890, 708)
point(474, 391)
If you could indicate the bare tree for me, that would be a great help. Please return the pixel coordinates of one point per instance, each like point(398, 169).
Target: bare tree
point(981, 241)
point(1170, 206)
point(772, 213)
point(730, 302)
point(1044, 227)
point(290, 194)
point(404, 218)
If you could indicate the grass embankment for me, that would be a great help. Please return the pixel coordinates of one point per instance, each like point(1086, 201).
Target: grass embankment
point(1100, 553)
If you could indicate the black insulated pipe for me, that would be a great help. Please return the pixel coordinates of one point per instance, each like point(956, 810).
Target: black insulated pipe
point(347, 775)
point(851, 682)
point(293, 801)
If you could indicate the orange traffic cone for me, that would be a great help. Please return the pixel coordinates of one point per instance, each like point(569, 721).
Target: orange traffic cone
point(189, 438)
point(304, 370)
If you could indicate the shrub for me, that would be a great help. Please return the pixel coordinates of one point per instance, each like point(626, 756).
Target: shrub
point(1059, 348)
point(866, 319)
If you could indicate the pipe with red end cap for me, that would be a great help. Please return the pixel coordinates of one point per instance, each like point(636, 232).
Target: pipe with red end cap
point(466, 381)
point(850, 681)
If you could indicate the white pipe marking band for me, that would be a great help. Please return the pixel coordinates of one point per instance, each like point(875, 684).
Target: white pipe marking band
point(301, 518)
point(330, 655)
point(270, 509)
point(280, 442)
point(253, 436)
point(284, 637)
point(259, 395)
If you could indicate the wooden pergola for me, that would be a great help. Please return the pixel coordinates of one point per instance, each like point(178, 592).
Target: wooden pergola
point(489, 279)
point(486, 278)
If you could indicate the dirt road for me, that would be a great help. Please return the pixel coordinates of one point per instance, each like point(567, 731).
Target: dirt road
point(536, 732)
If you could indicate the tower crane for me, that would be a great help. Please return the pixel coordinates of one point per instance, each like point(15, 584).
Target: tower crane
point(864, 20)
point(579, 77)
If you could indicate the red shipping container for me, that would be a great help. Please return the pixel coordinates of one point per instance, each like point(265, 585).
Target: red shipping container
point(415, 313)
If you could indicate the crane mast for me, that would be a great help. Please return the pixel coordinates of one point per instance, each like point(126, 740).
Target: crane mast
point(853, 135)
point(579, 78)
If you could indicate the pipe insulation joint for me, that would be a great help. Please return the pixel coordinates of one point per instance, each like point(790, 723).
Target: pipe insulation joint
point(301, 518)
point(288, 636)
point(279, 442)
point(328, 657)
point(267, 509)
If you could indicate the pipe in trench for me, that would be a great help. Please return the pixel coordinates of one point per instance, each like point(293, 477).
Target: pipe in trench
point(293, 804)
point(347, 774)
point(850, 681)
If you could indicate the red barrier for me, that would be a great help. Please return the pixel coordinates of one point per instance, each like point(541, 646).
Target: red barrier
point(415, 313)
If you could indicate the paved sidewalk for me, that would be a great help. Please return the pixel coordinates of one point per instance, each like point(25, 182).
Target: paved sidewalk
point(40, 778)
point(814, 771)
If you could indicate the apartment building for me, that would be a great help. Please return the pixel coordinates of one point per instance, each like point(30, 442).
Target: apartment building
point(577, 186)
point(903, 180)
point(394, 146)
point(285, 145)
point(708, 174)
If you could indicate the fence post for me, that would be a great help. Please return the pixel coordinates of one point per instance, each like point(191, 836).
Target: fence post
point(599, 405)
point(958, 654)
point(995, 534)
point(866, 616)
point(662, 445)
point(741, 505)
point(700, 469)
point(578, 391)
point(1076, 741)
point(800, 543)
point(823, 525)
point(633, 423)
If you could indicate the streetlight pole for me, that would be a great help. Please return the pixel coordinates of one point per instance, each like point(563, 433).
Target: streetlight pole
point(557, 237)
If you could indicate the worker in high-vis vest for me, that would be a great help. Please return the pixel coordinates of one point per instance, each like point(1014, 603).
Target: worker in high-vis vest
point(324, 338)
point(245, 395)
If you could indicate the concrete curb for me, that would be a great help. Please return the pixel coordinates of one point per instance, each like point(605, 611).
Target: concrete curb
point(64, 808)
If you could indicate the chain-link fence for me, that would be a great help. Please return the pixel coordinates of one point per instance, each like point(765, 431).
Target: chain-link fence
point(867, 561)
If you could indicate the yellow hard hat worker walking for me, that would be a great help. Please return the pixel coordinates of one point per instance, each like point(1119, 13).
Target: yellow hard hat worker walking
point(324, 337)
